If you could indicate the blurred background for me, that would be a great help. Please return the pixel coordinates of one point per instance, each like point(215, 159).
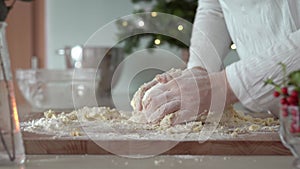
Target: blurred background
point(39, 34)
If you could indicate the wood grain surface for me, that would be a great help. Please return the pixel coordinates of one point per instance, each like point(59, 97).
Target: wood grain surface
point(260, 145)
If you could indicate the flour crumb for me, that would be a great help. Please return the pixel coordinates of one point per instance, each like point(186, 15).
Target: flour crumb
point(254, 127)
point(50, 114)
point(159, 162)
point(166, 122)
point(234, 134)
point(105, 122)
point(75, 133)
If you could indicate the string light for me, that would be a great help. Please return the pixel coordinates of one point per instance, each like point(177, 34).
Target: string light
point(141, 23)
point(157, 42)
point(180, 27)
point(124, 23)
point(153, 14)
point(233, 46)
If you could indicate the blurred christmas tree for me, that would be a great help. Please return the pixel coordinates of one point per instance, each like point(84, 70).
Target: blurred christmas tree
point(184, 9)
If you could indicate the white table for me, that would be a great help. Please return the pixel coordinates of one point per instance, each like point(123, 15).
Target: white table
point(180, 162)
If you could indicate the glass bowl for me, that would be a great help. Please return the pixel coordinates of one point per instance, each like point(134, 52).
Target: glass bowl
point(290, 131)
point(54, 89)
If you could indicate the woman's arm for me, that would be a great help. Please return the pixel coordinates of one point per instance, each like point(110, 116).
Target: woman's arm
point(210, 39)
point(246, 77)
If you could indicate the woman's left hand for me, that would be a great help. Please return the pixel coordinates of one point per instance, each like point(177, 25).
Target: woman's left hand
point(187, 95)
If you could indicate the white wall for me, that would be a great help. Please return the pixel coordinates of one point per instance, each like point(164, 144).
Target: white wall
point(72, 22)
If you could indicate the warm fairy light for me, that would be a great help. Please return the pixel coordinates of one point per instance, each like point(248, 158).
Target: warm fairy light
point(124, 23)
point(157, 42)
point(233, 46)
point(154, 14)
point(141, 23)
point(180, 27)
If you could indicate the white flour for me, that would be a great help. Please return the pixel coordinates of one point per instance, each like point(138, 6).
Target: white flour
point(105, 123)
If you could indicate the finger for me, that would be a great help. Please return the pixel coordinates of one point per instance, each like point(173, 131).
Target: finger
point(154, 100)
point(169, 75)
point(163, 78)
point(152, 92)
point(170, 107)
point(138, 96)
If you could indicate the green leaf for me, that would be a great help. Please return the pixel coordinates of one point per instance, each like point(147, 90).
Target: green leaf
point(294, 79)
point(285, 80)
point(269, 81)
point(278, 88)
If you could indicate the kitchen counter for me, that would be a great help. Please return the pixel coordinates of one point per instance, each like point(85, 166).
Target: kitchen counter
point(116, 162)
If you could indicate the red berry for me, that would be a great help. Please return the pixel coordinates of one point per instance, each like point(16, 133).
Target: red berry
point(292, 100)
point(294, 94)
point(283, 101)
point(276, 94)
point(284, 90)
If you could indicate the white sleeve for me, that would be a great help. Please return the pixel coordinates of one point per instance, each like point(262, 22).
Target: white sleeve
point(210, 39)
point(246, 77)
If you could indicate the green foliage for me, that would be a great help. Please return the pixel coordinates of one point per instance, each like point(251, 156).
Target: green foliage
point(185, 9)
point(293, 80)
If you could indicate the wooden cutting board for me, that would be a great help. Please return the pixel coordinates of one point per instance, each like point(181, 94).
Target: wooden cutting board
point(267, 143)
point(260, 144)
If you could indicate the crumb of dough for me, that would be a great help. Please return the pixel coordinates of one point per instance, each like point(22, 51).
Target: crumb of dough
point(234, 134)
point(75, 133)
point(101, 113)
point(166, 122)
point(138, 118)
point(72, 116)
point(197, 128)
point(49, 114)
point(232, 122)
point(254, 127)
point(65, 120)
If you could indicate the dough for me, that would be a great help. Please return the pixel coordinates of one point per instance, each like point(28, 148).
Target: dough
point(232, 122)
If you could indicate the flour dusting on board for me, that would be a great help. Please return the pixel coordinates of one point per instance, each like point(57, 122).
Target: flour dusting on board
point(107, 123)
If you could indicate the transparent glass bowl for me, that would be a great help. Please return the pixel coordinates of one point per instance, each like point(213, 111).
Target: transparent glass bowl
point(54, 89)
point(290, 131)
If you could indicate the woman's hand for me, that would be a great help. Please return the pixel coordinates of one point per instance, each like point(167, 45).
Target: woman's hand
point(137, 100)
point(187, 94)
